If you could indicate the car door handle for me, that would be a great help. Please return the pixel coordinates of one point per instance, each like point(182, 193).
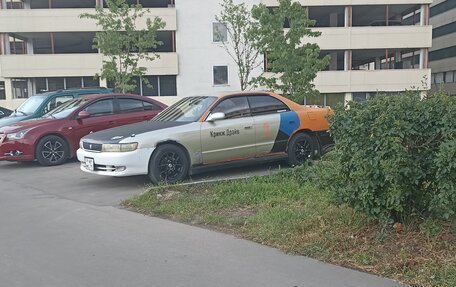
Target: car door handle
point(112, 122)
point(248, 127)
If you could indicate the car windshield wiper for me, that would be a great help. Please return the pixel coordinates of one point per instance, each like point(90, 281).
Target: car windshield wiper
point(21, 112)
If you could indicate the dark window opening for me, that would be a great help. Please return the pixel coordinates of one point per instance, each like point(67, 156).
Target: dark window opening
point(20, 88)
point(337, 59)
point(382, 59)
point(328, 16)
point(90, 82)
point(148, 3)
point(168, 86)
point(383, 15)
point(444, 30)
point(17, 45)
point(220, 74)
point(56, 4)
point(150, 88)
point(2, 90)
point(442, 54)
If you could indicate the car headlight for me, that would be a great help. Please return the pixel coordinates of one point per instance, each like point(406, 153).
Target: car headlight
point(17, 136)
point(123, 147)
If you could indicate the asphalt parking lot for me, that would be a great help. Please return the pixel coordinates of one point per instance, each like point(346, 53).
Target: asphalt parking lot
point(61, 227)
point(68, 181)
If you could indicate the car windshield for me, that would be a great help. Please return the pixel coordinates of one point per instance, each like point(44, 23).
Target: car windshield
point(31, 105)
point(66, 109)
point(186, 110)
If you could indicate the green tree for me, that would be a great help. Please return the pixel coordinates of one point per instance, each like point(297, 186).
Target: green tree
point(239, 45)
point(294, 64)
point(122, 44)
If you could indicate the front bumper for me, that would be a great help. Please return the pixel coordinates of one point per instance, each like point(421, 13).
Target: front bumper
point(117, 163)
point(18, 150)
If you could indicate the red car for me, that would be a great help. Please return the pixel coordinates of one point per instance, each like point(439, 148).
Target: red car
point(55, 137)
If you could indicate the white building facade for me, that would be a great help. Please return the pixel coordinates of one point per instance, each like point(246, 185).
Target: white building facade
point(44, 46)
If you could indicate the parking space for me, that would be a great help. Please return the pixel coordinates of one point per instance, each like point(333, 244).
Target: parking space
point(67, 181)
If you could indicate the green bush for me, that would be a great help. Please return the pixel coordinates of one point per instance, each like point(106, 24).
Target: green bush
point(397, 156)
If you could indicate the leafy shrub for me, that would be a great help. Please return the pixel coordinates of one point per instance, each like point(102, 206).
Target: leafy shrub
point(397, 156)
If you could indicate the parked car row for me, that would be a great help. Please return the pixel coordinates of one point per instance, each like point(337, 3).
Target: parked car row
point(120, 135)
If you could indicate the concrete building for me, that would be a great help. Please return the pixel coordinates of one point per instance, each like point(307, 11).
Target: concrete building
point(374, 48)
point(442, 56)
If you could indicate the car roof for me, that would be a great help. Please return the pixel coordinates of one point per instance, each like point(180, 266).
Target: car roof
point(85, 90)
point(100, 96)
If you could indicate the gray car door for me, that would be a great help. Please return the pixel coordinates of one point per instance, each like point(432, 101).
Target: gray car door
point(231, 138)
point(267, 113)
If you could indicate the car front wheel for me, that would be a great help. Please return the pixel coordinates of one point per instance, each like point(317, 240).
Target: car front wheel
point(301, 149)
point(52, 150)
point(168, 164)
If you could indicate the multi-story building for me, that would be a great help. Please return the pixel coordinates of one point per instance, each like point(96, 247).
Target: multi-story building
point(442, 56)
point(373, 47)
point(45, 46)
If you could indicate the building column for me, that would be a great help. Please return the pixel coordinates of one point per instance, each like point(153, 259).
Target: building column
point(9, 92)
point(424, 53)
point(348, 98)
point(424, 15)
point(348, 16)
point(347, 60)
point(103, 83)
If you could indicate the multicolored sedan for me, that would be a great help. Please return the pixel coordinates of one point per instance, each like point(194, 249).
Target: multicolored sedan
point(208, 130)
point(54, 138)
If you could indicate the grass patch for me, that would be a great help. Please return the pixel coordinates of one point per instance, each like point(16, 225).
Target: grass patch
point(293, 212)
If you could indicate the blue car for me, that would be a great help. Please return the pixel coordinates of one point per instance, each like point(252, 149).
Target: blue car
point(38, 105)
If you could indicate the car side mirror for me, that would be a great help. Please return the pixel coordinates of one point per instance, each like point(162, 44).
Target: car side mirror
point(215, 117)
point(83, 115)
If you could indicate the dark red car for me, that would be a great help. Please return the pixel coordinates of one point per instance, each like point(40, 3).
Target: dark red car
point(55, 137)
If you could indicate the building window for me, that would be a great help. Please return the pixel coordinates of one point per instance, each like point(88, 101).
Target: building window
point(90, 82)
point(449, 77)
point(325, 100)
point(20, 88)
point(220, 75)
point(384, 15)
point(159, 86)
point(2, 91)
point(219, 32)
point(439, 78)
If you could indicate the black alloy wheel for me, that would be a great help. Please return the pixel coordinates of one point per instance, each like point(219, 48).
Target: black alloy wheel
point(168, 164)
point(301, 148)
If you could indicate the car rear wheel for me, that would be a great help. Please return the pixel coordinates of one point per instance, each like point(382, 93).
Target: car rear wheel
point(301, 149)
point(168, 164)
point(52, 150)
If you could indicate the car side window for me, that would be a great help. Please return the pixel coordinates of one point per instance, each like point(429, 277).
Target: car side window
point(130, 106)
point(56, 102)
point(150, 107)
point(101, 108)
point(263, 105)
point(235, 107)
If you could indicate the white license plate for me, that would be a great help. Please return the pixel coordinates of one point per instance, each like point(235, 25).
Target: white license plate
point(89, 163)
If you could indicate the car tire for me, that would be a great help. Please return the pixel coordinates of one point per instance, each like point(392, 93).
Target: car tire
point(52, 150)
point(301, 149)
point(168, 164)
